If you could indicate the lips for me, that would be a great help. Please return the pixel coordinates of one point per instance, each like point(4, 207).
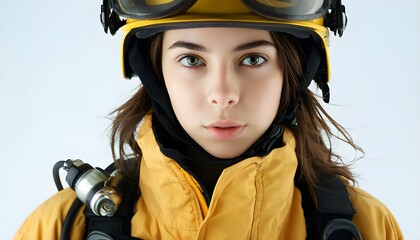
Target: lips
point(225, 129)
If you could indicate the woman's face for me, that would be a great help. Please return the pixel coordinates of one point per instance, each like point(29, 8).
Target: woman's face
point(224, 85)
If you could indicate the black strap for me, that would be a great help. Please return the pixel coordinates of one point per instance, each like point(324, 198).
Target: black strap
point(331, 219)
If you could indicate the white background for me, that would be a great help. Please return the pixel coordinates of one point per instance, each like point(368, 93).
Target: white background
point(60, 77)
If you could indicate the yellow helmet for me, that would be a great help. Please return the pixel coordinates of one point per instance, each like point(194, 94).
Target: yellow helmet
point(300, 18)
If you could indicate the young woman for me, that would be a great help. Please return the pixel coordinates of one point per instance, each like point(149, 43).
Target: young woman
point(223, 128)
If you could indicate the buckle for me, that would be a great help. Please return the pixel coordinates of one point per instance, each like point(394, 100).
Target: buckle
point(341, 224)
point(110, 19)
point(336, 19)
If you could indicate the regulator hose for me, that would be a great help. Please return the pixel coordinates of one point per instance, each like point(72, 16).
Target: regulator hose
point(56, 174)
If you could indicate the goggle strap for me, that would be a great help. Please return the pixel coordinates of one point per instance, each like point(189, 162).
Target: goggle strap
point(110, 19)
point(336, 19)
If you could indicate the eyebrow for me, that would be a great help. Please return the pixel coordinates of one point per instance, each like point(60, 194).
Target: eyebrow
point(188, 45)
point(254, 44)
point(197, 47)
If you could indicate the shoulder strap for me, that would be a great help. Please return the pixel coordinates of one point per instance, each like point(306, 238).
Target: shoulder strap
point(117, 227)
point(331, 217)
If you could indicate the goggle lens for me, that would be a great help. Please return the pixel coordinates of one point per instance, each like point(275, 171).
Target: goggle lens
point(288, 9)
point(151, 9)
point(275, 9)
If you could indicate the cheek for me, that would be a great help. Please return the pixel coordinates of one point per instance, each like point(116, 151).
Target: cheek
point(185, 97)
point(265, 96)
point(184, 91)
point(175, 86)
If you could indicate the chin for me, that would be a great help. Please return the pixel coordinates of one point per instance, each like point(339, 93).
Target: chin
point(225, 153)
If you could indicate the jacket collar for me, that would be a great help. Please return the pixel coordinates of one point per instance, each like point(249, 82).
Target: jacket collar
point(245, 194)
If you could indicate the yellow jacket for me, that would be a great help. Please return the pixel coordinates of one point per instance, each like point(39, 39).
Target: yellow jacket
point(253, 199)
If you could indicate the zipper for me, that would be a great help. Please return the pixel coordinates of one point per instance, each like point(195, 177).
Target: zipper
point(201, 194)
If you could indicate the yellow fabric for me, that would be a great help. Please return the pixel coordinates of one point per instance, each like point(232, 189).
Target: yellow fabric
point(198, 190)
point(253, 199)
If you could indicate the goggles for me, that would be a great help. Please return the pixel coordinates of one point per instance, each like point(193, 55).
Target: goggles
point(275, 9)
point(281, 10)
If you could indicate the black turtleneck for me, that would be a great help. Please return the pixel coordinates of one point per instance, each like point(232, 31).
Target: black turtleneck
point(204, 167)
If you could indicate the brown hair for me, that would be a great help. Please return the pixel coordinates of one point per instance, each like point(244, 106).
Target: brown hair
point(314, 154)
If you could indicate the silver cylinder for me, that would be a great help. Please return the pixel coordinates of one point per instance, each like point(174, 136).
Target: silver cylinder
point(105, 202)
point(87, 181)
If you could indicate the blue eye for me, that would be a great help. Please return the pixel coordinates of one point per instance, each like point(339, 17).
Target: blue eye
point(253, 60)
point(191, 61)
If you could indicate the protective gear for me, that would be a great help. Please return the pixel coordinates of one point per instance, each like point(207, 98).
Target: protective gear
point(94, 187)
point(253, 199)
point(284, 10)
point(301, 18)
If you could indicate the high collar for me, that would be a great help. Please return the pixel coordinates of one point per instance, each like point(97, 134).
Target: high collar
point(249, 189)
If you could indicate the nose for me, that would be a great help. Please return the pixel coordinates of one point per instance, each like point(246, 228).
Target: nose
point(224, 88)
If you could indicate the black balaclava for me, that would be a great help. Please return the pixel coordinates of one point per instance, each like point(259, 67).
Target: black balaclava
point(173, 141)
